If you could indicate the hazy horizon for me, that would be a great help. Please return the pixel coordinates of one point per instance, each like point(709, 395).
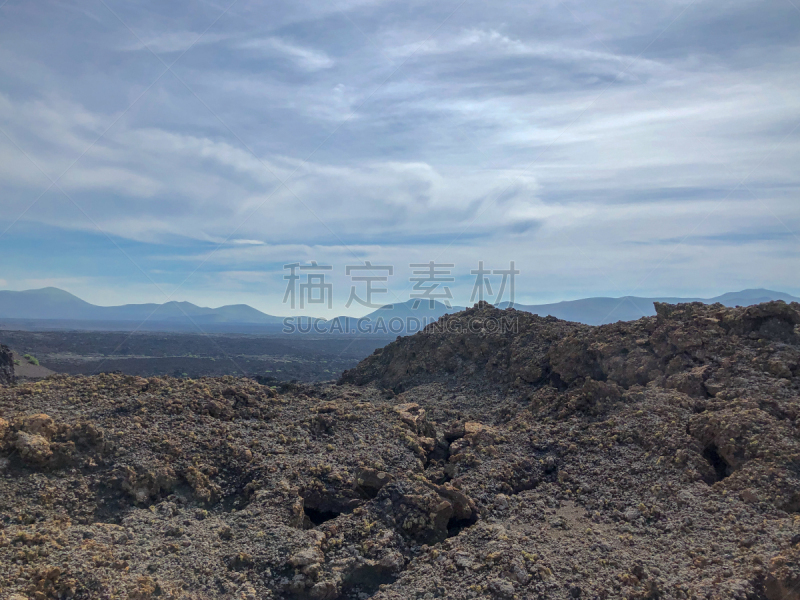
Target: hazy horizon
point(366, 311)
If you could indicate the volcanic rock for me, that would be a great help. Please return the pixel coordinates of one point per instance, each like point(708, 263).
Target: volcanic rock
point(515, 456)
point(7, 376)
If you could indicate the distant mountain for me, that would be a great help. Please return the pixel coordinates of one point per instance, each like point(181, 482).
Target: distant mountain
point(55, 304)
point(52, 308)
point(599, 311)
point(46, 303)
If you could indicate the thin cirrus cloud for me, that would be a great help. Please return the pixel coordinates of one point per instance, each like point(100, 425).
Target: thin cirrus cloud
point(305, 58)
point(173, 41)
point(606, 149)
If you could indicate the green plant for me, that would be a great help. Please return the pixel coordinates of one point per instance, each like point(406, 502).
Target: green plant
point(31, 359)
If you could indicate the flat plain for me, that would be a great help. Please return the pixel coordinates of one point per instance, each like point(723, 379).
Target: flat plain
point(147, 354)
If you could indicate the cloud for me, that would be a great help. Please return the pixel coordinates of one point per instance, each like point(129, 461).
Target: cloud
point(306, 58)
point(560, 137)
point(170, 42)
point(493, 44)
point(247, 242)
point(218, 189)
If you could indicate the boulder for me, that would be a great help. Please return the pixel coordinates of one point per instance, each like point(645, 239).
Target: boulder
point(372, 480)
point(34, 449)
point(40, 424)
point(423, 510)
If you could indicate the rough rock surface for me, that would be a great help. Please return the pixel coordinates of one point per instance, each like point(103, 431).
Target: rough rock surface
point(652, 459)
point(6, 366)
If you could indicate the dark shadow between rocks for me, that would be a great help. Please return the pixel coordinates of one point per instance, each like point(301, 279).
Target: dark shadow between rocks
point(321, 506)
point(233, 502)
point(366, 580)
point(456, 526)
point(315, 518)
point(721, 468)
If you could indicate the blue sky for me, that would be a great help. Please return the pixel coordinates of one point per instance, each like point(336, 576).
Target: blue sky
point(187, 151)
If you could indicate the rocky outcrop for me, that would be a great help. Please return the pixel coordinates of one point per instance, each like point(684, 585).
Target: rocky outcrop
point(480, 342)
point(7, 376)
point(680, 348)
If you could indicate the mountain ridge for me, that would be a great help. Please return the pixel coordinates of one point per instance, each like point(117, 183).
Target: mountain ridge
point(65, 310)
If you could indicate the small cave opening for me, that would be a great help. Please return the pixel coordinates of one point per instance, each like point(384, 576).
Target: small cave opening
point(721, 468)
point(557, 382)
point(456, 526)
point(524, 485)
point(234, 502)
point(315, 518)
point(370, 493)
point(366, 580)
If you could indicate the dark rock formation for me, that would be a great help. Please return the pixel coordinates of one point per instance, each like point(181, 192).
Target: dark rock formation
point(6, 366)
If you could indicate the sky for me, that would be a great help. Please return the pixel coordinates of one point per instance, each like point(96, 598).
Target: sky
point(154, 151)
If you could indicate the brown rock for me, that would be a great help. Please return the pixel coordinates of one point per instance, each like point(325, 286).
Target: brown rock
point(463, 506)
point(40, 424)
point(412, 414)
point(307, 557)
point(34, 449)
point(372, 480)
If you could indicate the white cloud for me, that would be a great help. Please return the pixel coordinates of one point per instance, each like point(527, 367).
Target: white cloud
point(218, 189)
point(306, 58)
point(171, 41)
point(496, 42)
point(247, 242)
point(509, 132)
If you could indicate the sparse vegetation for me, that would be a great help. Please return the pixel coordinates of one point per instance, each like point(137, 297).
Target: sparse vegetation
point(31, 359)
